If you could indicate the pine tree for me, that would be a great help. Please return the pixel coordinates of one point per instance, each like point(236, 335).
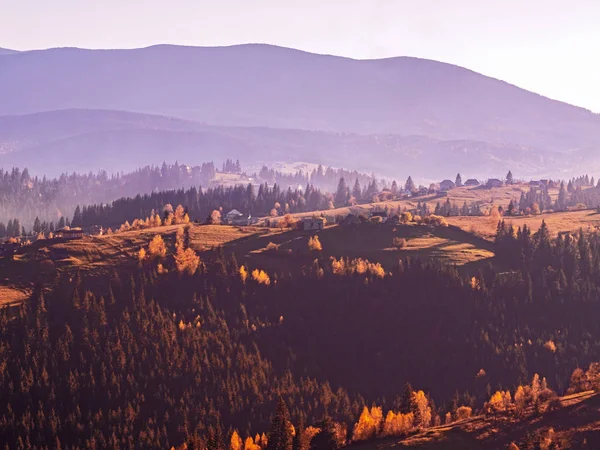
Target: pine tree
point(77, 218)
point(410, 184)
point(509, 178)
point(341, 196)
point(280, 434)
point(325, 439)
point(405, 399)
point(394, 189)
point(561, 203)
point(458, 181)
point(356, 191)
point(37, 226)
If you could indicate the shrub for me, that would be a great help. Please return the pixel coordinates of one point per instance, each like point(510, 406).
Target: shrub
point(272, 248)
point(399, 243)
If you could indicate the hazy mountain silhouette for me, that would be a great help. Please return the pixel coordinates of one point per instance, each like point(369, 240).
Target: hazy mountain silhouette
point(261, 85)
point(82, 140)
point(6, 51)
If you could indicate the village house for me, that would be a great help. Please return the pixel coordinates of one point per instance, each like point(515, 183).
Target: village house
point(69, 233)
point(313, 223)
point(446, 185)
point(494, 182)
point(234, 217)
point(471, 182)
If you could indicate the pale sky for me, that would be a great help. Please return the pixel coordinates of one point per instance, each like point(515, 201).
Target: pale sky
point(547, 46)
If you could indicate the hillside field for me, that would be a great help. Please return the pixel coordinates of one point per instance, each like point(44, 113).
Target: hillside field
point(483, 196)
point(99, 256)
point(485, 227)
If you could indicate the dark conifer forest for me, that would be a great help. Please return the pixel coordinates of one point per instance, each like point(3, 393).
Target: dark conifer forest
point(158, 357)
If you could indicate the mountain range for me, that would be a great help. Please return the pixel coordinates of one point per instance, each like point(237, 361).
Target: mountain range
point(88, 109)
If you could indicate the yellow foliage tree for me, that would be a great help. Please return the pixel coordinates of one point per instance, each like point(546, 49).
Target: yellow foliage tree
point(250, 445)
point(243, 274)
point(406, 217)
point(421, 409)
point(520, 400)
point(157, 221)
point(261, 277)
point(464, 412)
point(366, 427)
point(235, 442)
point(186, 260)
point(142, 254)
point(178, 215)
point(314, 244)
point(157, 248)
point(397, 424)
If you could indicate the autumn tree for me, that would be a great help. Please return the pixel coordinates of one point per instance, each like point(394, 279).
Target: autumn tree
point(314, 244)
point(186, 260)
point(261, 277)
point(368, 424)
point(249, 444)
point(235, 443)
point(157, 248)
point(215, 217)
point(178, 215)
point(420, 409)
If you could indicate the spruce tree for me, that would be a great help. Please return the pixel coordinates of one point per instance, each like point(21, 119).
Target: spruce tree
point(341, 195)
point(280, 434)
point(301, 439)
point(509, 178)
point(458, 181)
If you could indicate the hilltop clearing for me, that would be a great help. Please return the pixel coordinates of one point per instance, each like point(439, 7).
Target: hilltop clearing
point(269, 248)
point(559, 222)
point(483, 196)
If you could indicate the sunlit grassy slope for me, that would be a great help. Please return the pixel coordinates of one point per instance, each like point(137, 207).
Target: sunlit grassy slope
point(574, 422)
point(100, 256)
point(485, 227)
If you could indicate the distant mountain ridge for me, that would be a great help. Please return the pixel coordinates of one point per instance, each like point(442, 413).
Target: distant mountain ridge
point(53, 142)
point(268, 86)
point(6, 51)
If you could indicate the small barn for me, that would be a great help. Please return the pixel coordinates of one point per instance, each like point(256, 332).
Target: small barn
point(471, 182)
point(69, 233)
point(494, 182)
point(446, 185)
point(232, 216)
point(313, 223)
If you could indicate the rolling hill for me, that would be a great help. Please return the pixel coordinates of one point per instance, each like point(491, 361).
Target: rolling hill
point(88, 140)
point(261, 85)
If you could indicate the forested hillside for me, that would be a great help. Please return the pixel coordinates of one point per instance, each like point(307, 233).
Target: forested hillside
point(182, 349)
